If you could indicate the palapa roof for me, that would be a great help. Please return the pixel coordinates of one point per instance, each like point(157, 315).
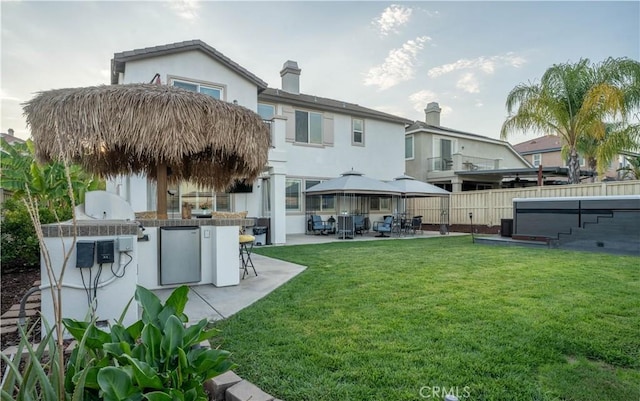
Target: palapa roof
point(129, 129)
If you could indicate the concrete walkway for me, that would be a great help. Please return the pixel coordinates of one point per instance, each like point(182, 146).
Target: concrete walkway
point(215, 303)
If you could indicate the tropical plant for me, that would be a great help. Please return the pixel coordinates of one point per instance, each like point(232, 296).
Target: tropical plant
point(600, 152)
point(157, 357)
point(47, 183)
point(575, 101)
point(632, 170)
point(33, 372)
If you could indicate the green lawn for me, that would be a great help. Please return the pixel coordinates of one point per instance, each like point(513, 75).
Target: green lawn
point(403, 319)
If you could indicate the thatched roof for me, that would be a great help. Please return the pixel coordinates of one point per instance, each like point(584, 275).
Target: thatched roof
point(124, 129)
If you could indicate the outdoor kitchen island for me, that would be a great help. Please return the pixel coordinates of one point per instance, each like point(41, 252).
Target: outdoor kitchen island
point(218, 251)
point(111, 257)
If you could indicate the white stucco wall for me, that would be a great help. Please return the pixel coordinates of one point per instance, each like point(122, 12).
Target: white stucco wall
point(382, 156)
point(194, 66)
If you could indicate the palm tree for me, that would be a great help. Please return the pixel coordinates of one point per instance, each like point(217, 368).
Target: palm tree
point(575, 101)
point(600, 152)
point(632, 170)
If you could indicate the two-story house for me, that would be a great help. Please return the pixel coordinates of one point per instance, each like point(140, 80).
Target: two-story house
point(313, 138)
point(456, 160)
point(547, 151)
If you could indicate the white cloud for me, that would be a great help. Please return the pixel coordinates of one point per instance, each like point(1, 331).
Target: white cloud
point(187, 9)
point(479, 103)
point(419, 100)
point(6, 97)
point(487, 65)
point(391, 18)
point(446, 111)
point(468, 83)
point(398, 66)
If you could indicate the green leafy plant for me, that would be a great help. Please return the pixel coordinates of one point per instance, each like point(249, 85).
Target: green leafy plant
point(32, 372)
point(157, 358)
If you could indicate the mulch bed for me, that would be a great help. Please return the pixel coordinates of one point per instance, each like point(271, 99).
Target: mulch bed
point(14, 285)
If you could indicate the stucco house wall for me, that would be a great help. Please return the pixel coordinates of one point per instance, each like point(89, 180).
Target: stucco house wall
point(468, 152)
point(380, 155)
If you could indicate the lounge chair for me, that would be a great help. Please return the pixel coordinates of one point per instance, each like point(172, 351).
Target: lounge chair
point(359, 226)
point(318, 225)
point(382, 227)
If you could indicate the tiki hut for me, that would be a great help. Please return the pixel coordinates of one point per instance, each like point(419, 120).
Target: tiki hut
point(166, 132)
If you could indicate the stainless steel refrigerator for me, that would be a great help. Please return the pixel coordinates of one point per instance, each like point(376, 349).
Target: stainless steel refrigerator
point(179, 255)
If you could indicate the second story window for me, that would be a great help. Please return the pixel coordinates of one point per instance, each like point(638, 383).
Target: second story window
point(408, 147)
point(357, 137)
point(215, 92)
point(308, 127)
point(537, 159)
point(266, 111)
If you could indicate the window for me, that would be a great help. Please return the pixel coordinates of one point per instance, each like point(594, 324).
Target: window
point(319, 202)
point(211, 90)
point(266, 111)
point(408, 147)
point(379, 204)
point(357, 137)
point(292, 194)
point(537, 159)
point(308, 127)
point(197, 198)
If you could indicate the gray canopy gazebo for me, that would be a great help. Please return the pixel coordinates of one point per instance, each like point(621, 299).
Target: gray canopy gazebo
point(350, 189)
point(165, 132)
point(412, 188)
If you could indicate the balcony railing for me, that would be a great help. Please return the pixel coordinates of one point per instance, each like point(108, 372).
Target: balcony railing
point(460, 162)
point(471, 163)
point(439, 164)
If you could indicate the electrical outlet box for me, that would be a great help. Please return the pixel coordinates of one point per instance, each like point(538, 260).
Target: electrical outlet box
point(105, 251)
point(85, 251)
point(125, 244)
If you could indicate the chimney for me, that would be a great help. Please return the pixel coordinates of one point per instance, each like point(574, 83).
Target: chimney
point(291, 77)
point(432, 114)
point(10, 131)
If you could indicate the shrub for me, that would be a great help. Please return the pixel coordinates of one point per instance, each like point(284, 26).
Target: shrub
point(20, 247)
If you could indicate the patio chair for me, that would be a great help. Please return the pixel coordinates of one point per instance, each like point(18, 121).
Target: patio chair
point(416, 224)
point(359, 226)
point(382, 227)
point(318, 225)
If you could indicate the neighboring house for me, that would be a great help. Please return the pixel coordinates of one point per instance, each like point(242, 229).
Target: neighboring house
point(10, 138)
point(546, 151)
point(313, 138)
point(459, 161)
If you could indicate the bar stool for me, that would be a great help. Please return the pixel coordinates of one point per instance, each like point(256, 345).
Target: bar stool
point(246, 246)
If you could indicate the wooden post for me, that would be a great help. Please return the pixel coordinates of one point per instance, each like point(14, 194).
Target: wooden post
point(162, 192)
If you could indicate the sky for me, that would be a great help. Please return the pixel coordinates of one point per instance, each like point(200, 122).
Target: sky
point(390, 56)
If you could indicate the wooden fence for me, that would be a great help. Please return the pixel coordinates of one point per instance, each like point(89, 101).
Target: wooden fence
point(490, 206)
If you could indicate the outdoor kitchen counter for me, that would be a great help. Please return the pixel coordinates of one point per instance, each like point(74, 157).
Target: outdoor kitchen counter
point(197, 222)
point(218, 250)
point(90, 228)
